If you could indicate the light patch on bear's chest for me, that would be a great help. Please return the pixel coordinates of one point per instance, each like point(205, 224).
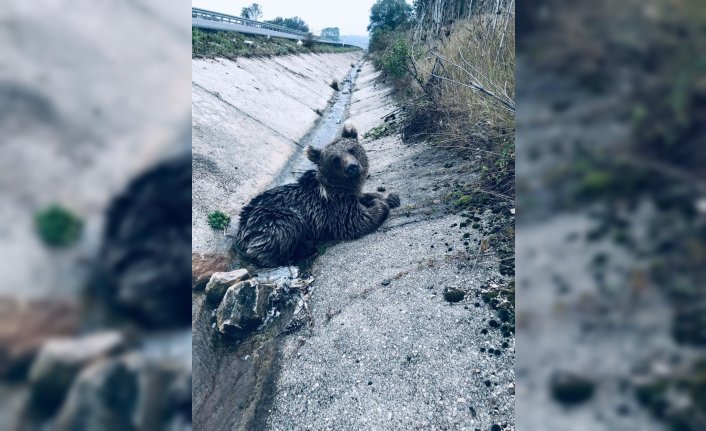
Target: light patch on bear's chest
point(323, 192)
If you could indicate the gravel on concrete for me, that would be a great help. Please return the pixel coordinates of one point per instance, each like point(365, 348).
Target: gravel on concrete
point(598, 323)
point(386, 351)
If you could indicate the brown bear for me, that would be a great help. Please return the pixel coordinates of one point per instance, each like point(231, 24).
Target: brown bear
point(286, 223)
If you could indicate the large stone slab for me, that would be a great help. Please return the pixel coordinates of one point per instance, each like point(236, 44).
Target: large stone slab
point(243, 308)
point(61, 359)
point(221, 281)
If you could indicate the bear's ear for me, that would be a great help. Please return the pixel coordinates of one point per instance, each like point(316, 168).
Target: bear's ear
point(313, 154)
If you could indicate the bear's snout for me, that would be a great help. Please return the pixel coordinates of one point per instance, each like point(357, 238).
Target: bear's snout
point(353, 169)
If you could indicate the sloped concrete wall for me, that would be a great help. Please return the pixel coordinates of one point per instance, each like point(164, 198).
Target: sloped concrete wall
point(248, 116)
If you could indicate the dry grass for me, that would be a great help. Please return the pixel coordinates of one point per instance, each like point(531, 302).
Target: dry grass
point(458, 90)
point(463, 95)
point(471, 80)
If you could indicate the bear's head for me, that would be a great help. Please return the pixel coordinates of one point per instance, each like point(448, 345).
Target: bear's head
point(342, 165)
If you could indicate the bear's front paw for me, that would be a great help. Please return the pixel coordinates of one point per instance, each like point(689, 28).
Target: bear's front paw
point(368, 199)
point(393, 200)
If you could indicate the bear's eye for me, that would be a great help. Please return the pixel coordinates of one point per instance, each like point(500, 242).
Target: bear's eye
point(351, 151)
point(336, 159)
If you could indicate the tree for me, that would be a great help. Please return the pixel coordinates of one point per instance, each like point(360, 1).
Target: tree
point(295, 23)
point(309, 40)
point(331, 33)
point(277, 21)
point(253, 12)
point(389, 15)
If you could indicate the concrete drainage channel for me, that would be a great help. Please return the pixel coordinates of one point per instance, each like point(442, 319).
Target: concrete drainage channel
point(324, 131)
point(237, 333)
point(367, 343)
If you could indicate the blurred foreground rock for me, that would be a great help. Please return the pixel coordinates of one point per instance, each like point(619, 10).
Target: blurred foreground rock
point(130, 392)
point(25, 326)
point(60, 360)
point(571, 389)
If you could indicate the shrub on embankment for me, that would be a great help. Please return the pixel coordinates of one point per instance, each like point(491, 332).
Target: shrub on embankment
point(229, 44)
point(456, 82)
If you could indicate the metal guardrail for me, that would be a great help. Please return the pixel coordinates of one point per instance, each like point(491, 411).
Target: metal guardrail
point(220, 21)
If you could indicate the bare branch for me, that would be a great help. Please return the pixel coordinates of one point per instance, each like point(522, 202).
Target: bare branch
point(509, 103)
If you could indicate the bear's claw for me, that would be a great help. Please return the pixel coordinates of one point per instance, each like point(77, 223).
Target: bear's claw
point(393, 200)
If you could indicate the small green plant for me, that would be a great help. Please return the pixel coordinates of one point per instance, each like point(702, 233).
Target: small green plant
point(596, 183)
point(57, 226)
point(379, 132)
point(463, 201)
point(218, 220)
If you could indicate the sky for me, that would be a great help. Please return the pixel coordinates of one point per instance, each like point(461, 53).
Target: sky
point(350, 16)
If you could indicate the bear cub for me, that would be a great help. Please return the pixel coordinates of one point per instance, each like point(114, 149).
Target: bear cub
point(285, 223)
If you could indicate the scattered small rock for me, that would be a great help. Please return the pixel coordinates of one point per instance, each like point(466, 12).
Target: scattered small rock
point(295, 324)
point(204, 265)
point(453, 295)
point(571, 389)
